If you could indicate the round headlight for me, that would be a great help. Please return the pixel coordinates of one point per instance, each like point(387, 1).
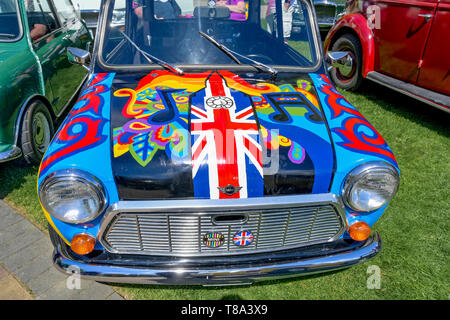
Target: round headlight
point(370, 186)
point(72, 196)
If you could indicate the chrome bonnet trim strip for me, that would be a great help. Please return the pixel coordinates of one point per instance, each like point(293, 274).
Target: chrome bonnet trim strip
point(192, 205)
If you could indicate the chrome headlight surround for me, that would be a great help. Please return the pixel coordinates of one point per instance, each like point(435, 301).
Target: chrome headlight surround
point(72, 177)
point(358, 198)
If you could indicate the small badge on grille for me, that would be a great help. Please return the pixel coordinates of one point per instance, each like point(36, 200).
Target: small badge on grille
point(243, 238)
point(229, 189)
point(213, 239)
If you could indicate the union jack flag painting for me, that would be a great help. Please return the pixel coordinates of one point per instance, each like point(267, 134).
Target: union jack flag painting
point(243, 238)
point(226, 150)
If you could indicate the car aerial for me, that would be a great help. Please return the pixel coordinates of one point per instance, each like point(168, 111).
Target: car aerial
point(206, 150)
point(398, 44)
point(37, 82)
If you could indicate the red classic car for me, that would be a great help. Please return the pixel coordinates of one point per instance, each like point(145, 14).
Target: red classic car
point(402, 44)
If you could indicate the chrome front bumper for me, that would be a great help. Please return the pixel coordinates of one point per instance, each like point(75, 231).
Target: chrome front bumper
point(234, 271)
point(10, 154)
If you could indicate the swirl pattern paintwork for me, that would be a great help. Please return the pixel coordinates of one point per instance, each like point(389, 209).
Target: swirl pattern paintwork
point(83, 128)
point(355, 132)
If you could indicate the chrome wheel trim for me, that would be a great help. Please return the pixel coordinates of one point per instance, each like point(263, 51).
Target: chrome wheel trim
point(349, 68)
point(346, 73)
point(41, 131)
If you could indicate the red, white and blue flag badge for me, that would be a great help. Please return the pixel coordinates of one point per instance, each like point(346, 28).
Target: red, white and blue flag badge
point(226, 151)
point(243, 238)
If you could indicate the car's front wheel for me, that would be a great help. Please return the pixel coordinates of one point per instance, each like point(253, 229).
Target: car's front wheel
point(350, 79)
point(37, 132)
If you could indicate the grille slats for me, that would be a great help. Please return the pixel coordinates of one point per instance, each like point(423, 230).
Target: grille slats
point(182, 234)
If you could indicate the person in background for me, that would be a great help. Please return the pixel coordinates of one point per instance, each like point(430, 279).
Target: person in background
point(37, 29)
point(270, 16)
point(166, 9)
point(287, 12)
point(163, 9)
point(138, 8)
point(237, 8)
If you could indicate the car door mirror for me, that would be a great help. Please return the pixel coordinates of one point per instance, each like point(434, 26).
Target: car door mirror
point(79, 56)
point(341, 60)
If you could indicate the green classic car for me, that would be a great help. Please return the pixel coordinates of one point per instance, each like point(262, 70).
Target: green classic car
point(37, 81)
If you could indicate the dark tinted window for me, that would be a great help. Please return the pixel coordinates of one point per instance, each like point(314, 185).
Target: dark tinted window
point(9, 21)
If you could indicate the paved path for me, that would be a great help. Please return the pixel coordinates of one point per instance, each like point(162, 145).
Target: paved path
point(11, 288)
point(26, 265)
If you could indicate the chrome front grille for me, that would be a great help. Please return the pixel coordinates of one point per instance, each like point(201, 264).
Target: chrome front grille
point(181, 233)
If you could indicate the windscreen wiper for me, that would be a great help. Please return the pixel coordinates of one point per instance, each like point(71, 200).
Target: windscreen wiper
point(152, 59)
point(232, 54)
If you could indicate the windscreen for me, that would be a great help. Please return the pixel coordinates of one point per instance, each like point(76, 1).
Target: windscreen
point(200, 32)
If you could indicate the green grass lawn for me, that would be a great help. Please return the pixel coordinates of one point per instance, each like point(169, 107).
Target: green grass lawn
point(415, 260)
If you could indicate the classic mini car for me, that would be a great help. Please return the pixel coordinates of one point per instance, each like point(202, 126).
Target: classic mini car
point(205, 150)
point(399, 44)
point(37, 81)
